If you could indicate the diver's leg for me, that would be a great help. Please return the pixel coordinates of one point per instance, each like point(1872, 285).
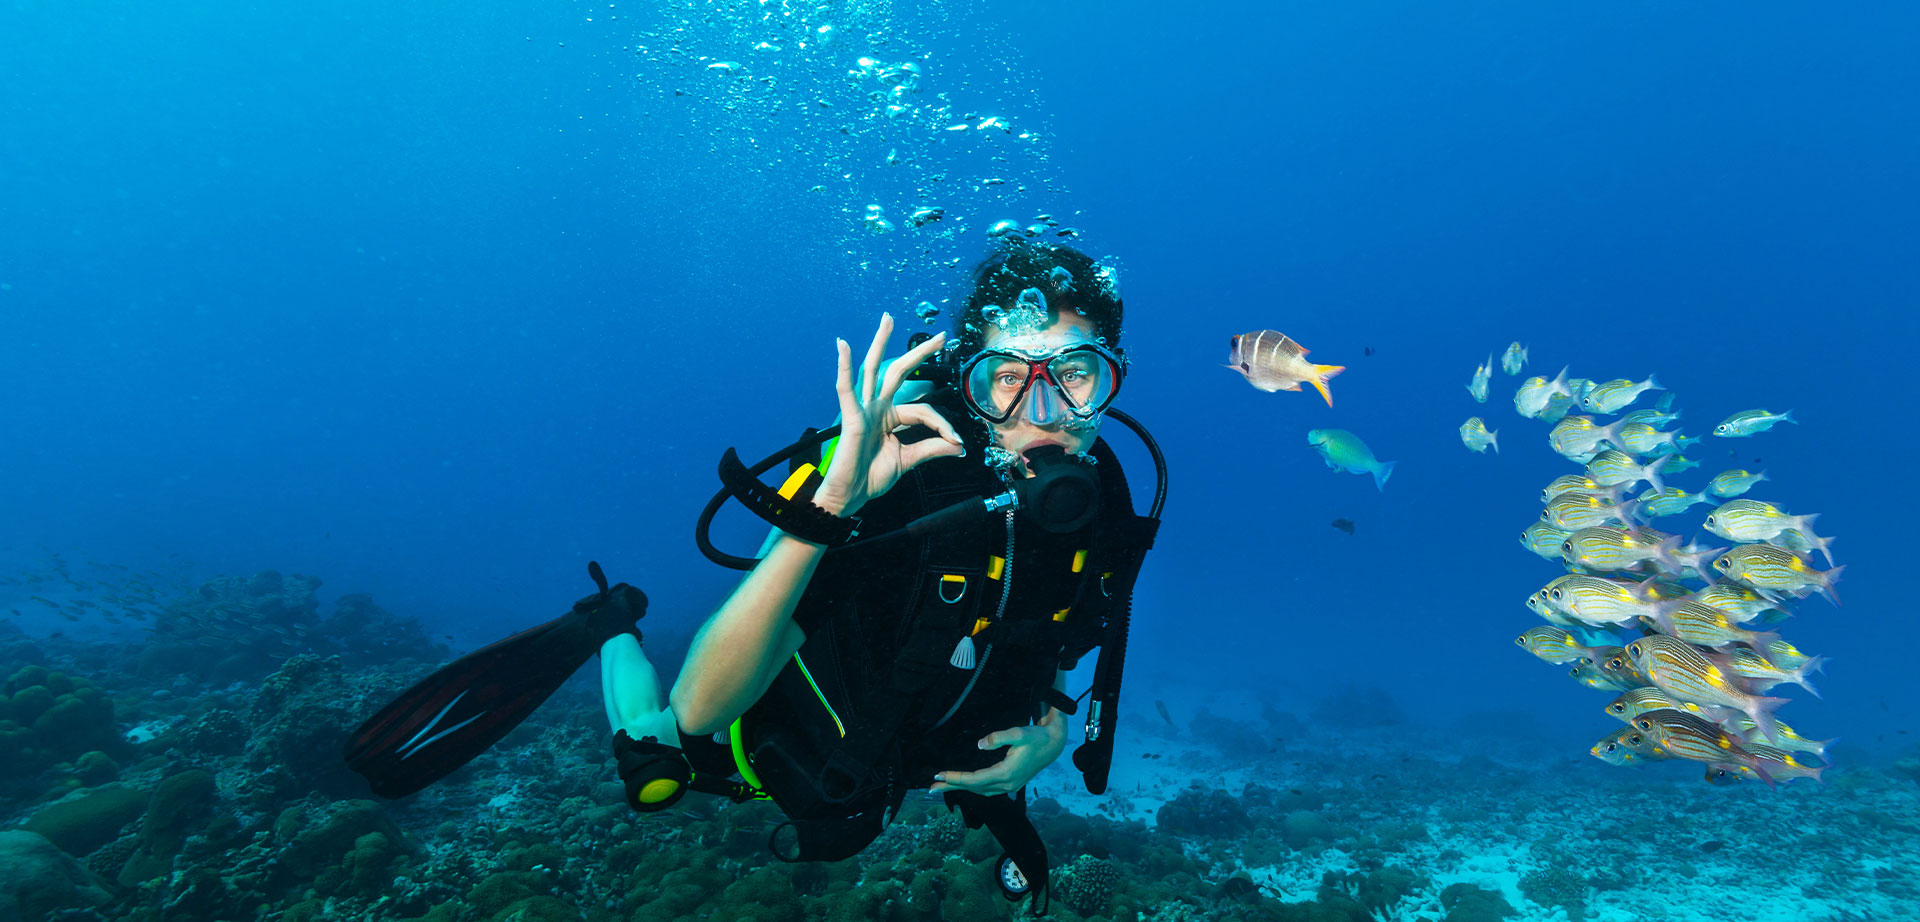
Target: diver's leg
point(631, 690)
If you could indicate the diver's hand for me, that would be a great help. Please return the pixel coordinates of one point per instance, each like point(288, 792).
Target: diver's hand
point(1029, 749)
point(870, 458)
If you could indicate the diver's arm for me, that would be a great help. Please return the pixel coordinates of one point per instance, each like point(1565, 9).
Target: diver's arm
point(740, 650)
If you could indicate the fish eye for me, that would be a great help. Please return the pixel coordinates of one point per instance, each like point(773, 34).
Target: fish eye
point(1612, 746)
point(1616, 663)
point(1616, 708)
point(1522, 641)
point(1634, 739)
point(1556, 593)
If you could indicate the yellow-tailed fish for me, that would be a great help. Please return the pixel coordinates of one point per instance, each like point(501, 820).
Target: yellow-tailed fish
point(1763, 674)
point(1638, 701)
point(1610, 549)
point(1567, 483)
point(1613, 396)
point(1614, 663)
point(1748, 422)
point(1685, 671)
point(1531, 398)
point(1590, 675)
point(1578, 437)
point(1474, 435)
point(1556, 645)
point(1689, 737)
point(1514, 359)
point(1628, 746)
point(1707, 626)
point(1733, 483)
point(1272, 362)
point(1343, 451)
point(1642, 439)
point(1478, 386)
point(1543, 539)
point(1772, 569)
point(1612, 467)
point(1577, 510)
point(1596, 601)
point(1672, 500)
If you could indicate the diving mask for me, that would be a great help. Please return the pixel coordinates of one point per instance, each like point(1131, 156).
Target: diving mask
point(1058, 385)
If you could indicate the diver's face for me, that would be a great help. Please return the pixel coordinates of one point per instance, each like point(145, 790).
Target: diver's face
point(1020, 434)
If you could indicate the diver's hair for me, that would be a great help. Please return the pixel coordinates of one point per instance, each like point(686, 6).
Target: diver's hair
point(1019, 264)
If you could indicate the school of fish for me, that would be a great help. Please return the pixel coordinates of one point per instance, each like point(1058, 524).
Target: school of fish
point(1682, 633)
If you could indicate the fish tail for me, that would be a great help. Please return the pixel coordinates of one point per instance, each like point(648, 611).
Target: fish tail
point(1817, 664)
point(1787, 417)
point(1653, 474)
point(1381, 472)
point(1761, 710)
point(1759, 769)
point(1320, 375)
point(1653, 383)
point(1820, 748)
point(1493, 438)
point(1827, 580)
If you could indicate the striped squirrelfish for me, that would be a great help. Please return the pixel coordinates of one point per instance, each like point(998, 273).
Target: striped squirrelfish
point(1595, 601)
point(1628, 746)
point(1748, 422)
point(1514, 359)
point(1543, 539)
point(1752, 520)
point(1533, 395)
point(1638, 701)
point(1672, 500)
point(1613, 396)
point(1612, 467)
point(1577, 510)
point(1568, 483)
point(1689, 737)
point(1642, 439)
point(1772, 569)
point(1343, 451)
point(1474, 435)
point(1272, 362)
point(1481, 376)
point(1607, 548)
point(1553, 644)
point(1685, 671)
point(1706, 626)
point(1727, 484)
point(1763, 674)
point(1578, 438)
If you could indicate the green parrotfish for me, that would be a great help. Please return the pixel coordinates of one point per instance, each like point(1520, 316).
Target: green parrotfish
point(1344, 451)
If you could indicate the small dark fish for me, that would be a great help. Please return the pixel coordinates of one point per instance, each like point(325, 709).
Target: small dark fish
point(1345, 525)
point(1712, 846)
point(1162, 707)
point(1369, 350)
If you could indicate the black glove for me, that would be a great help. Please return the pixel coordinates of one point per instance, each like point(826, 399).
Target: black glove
point(656, 775)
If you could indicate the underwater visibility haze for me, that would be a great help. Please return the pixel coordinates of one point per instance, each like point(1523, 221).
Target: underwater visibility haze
point(1532, 383)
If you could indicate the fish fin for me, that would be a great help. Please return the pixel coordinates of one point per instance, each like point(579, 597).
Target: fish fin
point(1787, 417)
point(1827, 579)
point(1663, 555)
point(1766, 776)
point(1320, 375)
point(1654, 383)
point(1381, 472)
point(1761, 710)
point(1493, 438)
point(1653, 473)
point(1817, 664)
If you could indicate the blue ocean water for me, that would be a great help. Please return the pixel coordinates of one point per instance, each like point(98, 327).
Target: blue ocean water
point(438, 302)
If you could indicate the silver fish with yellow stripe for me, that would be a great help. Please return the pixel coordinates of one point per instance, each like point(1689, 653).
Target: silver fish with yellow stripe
point(1628, 746)
point(1612, 467)
point(1556, 645)
point(1671, 501)
point(1543, 539)
point(1642, 439)
point(1567, 484)
point(1474, 435)
point(1514, 359)
point(1749, 422)
point(1728, 484)
point(1614, 663)
point(1763, 674)
point(1613, 396)
point(1576, 510)
point(1478, 385)
point(1753, 520)
point(1638, 701)
point(1689, 737)
point(1579, 438)
point(1736, 600)
point(1779, 764)
point(1706, 626)
point(1685, 671)
point(1772, 569)
point(1596, 601)
point(1590, 675)
point(1790, 739)
point(1607, 548)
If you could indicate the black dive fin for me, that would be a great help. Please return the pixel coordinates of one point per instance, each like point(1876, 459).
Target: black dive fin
point(455, 714)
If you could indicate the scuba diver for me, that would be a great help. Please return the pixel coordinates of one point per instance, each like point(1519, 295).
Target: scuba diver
point(939, 562)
